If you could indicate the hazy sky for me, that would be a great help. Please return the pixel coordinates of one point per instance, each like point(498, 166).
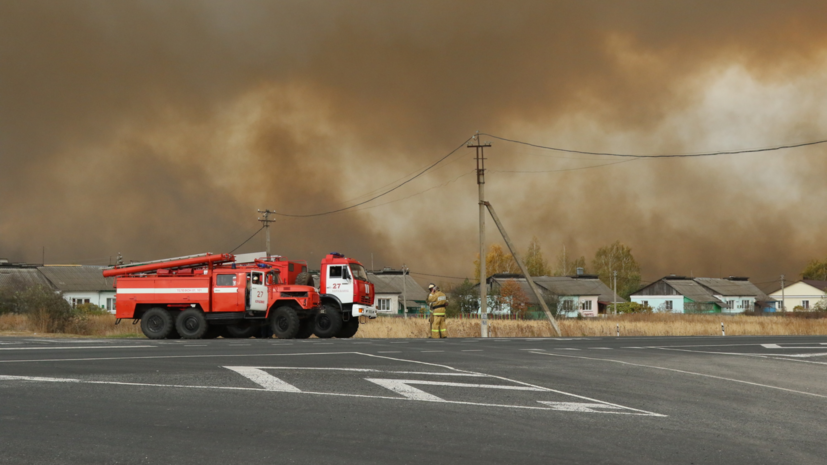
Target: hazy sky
point(157, 128)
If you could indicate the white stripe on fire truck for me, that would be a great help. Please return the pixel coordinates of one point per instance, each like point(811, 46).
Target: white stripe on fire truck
point(164, 290)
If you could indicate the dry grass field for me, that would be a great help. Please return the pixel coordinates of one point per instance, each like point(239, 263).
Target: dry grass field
point(630, 325)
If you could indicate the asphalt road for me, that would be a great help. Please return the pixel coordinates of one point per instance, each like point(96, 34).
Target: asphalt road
point(682, 400)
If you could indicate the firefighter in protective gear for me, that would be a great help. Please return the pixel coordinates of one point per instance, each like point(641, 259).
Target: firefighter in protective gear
point(437, 301)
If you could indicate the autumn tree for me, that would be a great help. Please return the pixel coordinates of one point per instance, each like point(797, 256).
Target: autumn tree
point(512, 294)
point(536, 264)
point(816, 269)
point(462, 298)
point(617, 257)
point(496, 261)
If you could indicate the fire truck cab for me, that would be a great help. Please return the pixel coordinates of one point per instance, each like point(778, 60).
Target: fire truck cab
point(346, 292)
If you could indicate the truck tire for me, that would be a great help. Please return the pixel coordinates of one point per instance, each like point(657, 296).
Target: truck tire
point(157, 323)
point(285, 323)
point(191, 324)
point(212, 332)
point(305, 279)
point(305, 328)
point(242, 330)
point(328, 322)
point(349, 328)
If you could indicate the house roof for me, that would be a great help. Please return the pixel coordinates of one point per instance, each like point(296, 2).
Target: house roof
point(386, 283)
point(818, 284)
point(733, 287)
point(26, 276)
point(693, 290)
point(77, 278)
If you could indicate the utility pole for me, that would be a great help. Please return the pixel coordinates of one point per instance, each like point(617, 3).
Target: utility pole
point(783, 299)
point(480, 158)
point(615, 286)
point(404, 291)
point(266, 221)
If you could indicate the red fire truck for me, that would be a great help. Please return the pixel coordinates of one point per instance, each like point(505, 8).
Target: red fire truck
point(208, 295)
point(346, 292)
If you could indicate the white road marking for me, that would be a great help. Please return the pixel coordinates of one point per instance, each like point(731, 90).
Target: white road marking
point(600, 348)
point(403, 389)
point(264, 379)
point(687, 373)
point(579, 407)
point(819, 354)
point(74, 347)
point(566, 348)
point(776, 346)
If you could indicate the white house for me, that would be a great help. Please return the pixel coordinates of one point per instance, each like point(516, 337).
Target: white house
point(680, 294)
point(389, 288)
point(576, 295)
point(804, 294)
point(81, 284)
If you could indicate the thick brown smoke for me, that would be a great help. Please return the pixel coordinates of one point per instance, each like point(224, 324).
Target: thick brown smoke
point(158, 128)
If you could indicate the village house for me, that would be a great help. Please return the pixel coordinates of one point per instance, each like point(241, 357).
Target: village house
point(802, 295)
point(681, 294)
point(81, 284)
point(584, 295)
point(389, 286)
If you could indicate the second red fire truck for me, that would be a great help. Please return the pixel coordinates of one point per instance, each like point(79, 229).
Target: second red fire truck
point(211, 295)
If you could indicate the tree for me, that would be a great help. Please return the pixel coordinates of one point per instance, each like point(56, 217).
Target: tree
point(565, 266)
point(617, 257)
point(462, 298)
point(815, 270)
point(535, 262)
point(496, 261)
point(512, 294)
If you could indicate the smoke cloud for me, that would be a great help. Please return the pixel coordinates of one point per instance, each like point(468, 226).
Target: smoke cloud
point(157, 129)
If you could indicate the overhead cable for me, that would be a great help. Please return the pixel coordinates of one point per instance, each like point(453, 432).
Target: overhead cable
point(677, 155)
point(429, 167)
point(248, 239)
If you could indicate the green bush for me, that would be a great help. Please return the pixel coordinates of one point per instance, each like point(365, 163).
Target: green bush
point(631, 307)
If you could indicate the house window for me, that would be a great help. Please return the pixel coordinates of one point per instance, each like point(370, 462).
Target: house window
point(568, 305)
point(730, 304)
point(110, 304)
point(805, 304)
point(745, 304)
point(586, 305)
point(645, 303)
point(79, 301)
point(383, 304)
point(669, 305)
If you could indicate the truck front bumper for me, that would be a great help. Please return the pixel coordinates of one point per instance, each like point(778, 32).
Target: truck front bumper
point(363, 310)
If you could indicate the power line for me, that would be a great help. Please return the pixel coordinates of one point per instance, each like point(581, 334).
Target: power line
point(565, 169)
point(248, 239)
point(683, 155)
point(383, 193)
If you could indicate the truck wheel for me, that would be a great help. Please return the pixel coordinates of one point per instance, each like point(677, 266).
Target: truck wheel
point(305, 279)
point(157, 323)
point(305, 328)
point(285, 323)
point(242, 330)
point(328, 322)
point(191, 324)
point(349, 329)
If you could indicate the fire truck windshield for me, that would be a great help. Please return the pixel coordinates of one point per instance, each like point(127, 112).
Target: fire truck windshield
point(359, 272)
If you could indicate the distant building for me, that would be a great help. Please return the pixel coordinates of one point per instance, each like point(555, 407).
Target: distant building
point(582, 294)
point(804, 294)
point(22, 273)
point(388, 285)
point(680, 294)
point(81, 284)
